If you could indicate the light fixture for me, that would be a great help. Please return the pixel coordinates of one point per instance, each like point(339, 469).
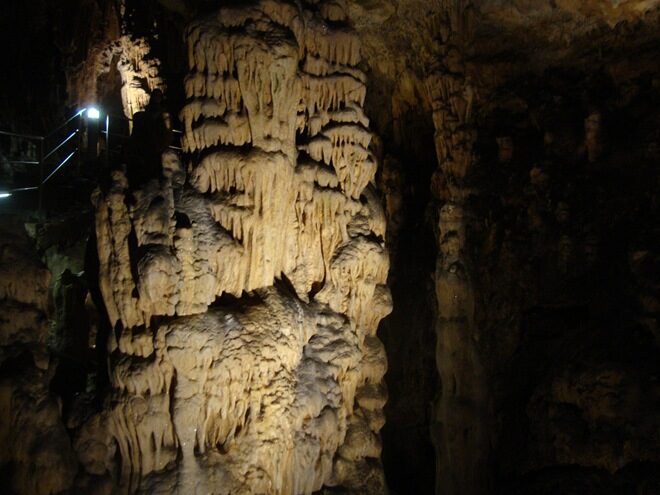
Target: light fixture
point(4, 195)
point(93, 113)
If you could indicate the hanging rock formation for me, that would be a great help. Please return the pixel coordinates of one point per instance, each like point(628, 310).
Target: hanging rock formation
point(234, 345)
point(115, 47)
point(278, 389)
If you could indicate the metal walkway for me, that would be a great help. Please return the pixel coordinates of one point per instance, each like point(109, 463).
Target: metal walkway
point(83, 139)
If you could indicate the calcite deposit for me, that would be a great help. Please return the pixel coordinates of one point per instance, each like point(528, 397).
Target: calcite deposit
point(219, 335)
point(32, 434)
point(245, 301)
point(111, 52)
point(460, 413)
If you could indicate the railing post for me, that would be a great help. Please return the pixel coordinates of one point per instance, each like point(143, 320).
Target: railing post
point(107, 140)
point(40, 191)
point(80, 143)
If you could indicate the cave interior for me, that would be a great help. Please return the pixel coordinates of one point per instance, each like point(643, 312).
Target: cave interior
point(330, 247)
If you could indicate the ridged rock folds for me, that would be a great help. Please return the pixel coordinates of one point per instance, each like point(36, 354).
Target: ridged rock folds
point(279, 390)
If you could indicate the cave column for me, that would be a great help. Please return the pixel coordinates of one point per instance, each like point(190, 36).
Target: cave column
point(459, 428)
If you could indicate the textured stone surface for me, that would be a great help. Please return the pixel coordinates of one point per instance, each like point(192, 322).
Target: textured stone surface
point(31, 431)
point(280, 390)
point(519, 148)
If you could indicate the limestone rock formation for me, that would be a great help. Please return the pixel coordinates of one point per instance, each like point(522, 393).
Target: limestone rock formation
point(113, 52)
point(138, 70)
point(460, 414)
point(519, 146)
point(35, 442)
point(276, 387)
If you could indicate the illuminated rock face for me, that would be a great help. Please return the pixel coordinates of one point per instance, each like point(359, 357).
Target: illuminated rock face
point(137, 68)
point(279, 390)
point(138, 71)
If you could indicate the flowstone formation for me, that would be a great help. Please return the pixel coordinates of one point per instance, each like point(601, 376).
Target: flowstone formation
point(459, 429)
point(36, 457)
point(246, 293)
point(137, 67)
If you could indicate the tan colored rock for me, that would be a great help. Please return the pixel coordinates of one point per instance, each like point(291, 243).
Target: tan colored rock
point(459, 431)
point(34, 441)
point(279, 211)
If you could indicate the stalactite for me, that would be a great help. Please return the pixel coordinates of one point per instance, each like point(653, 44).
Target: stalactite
point(139, 72)
point(259, 396)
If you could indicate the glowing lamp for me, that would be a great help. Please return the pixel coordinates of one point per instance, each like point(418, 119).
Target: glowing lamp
point(93, 113)
point(4, 195)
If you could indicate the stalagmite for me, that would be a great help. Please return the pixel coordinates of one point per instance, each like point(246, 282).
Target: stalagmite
point(460, 420)
point(279, 391)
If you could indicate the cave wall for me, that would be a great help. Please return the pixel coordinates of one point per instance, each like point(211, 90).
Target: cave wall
point(482, 65)
point(37, 456)
point(543, 193)
point(569, 340)
point(503, 187)
point(276, 386)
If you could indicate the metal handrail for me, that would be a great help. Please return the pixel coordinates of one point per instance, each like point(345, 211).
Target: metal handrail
point(24, 162)
point(18, 189)
point(26, 136)
point(67, 139)
point(44, 157)
point(59, 166)
point(69, 120)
